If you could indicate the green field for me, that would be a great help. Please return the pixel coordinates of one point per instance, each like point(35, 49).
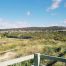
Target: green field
point(41, 42)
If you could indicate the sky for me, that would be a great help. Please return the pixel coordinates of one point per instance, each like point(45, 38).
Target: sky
point(32, 13)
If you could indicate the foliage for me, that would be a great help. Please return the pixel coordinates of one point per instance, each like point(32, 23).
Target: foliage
point(43, 41)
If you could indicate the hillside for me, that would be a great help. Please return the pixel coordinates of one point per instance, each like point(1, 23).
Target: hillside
point(17, 44)
point(36, 28)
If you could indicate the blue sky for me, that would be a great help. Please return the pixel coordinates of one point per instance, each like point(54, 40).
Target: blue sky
point(32, 13)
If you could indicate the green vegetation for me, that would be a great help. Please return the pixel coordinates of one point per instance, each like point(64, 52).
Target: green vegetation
point(44, 42)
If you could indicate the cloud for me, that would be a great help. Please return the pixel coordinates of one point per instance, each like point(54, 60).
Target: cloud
point(64, 20)
point(13, 24)
point(28, 13)
point(55, 5)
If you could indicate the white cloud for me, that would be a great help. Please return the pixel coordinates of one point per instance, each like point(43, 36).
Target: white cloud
point(64, 20)
point(55, 5)
point(28, 13)
point(13, 24)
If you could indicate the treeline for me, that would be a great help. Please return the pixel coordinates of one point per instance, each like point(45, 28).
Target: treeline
point(52, 28)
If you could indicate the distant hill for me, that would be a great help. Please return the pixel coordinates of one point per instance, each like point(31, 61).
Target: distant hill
point(53, 28)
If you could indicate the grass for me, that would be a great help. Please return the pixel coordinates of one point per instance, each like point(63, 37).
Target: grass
point(42, 42)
